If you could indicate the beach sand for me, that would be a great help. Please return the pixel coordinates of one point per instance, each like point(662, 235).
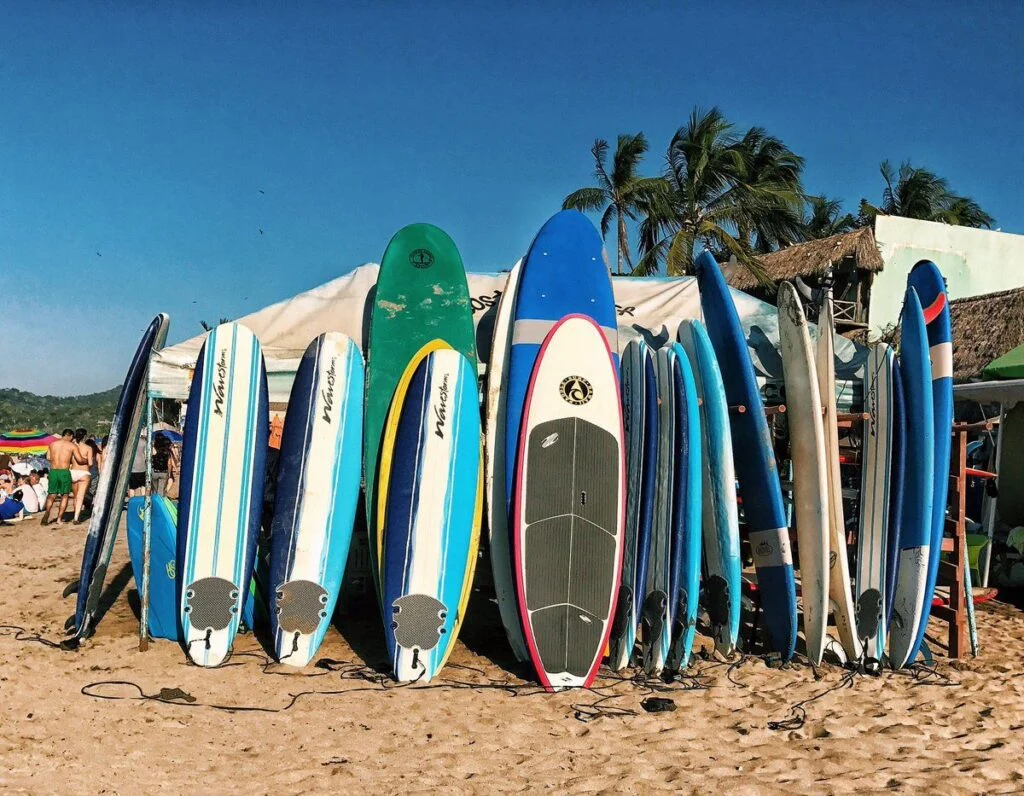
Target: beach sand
point(958, 730)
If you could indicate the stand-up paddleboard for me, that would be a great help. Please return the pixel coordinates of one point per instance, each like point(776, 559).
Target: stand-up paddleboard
point(494, 473)
point(429, 510)
point(640, 425)
point(686, 513)
point(839, 562)
point(897, 468)
point(223, 459)
point(810, 479)
point(931, 290)
point(756, 470)
point(656, 608)
point(163, 606)
point(113, 481)
point(570, 503)
point(421, 295)
point(316, 495)
point(876, 478)
point(915, 539)
point(720, 516)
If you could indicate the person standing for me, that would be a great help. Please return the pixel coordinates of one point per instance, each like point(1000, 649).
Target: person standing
point(82, 463)
point(60, 453)
point(164, 463)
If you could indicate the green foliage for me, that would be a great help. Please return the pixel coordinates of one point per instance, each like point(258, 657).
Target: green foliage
point(914, 192)
point(207, 327)
point(824, 218)
point(19, 409)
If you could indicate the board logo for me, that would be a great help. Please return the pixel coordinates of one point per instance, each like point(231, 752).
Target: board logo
point(441, 410)
point(576, 390)
point(218, 389)
point(170, 569)
point(328, 392)
point(421, 258)
point(764, 550)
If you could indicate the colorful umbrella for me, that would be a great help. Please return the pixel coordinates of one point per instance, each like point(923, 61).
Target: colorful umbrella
point(26, 442)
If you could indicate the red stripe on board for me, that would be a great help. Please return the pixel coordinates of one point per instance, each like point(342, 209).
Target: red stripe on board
point(933, 310)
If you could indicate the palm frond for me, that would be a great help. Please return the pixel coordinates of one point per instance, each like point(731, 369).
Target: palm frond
point(586, 200)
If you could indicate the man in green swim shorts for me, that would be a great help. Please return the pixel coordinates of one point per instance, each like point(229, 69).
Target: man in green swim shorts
point(60, 454)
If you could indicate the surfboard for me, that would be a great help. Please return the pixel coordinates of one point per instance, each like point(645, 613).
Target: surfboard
point(686, 513)
point(720, 516)
point(640, 426)
point(112, 485)
point(839, 592)
point(163, 606)
point(756, 470)
point(430, 509)
point(876, 478)
point(915, 539)
point(570, 503)
point(656, 610)
point(895, 490)
point(810, 470)
point(421, 295)
point(223, 461)
point(926, 279)
point(494, 474)
point(316, 495)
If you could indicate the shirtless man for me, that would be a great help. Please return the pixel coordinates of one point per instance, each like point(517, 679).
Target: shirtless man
point(81, 472)
point(61, 453)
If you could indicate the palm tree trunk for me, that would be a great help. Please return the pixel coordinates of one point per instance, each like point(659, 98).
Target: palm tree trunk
point(622, 239)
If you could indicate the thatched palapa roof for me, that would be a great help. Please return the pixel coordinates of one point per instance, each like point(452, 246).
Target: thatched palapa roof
point(814, 258)
point(985, 327)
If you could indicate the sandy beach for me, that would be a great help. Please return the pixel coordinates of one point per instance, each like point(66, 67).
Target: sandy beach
point(484, 727)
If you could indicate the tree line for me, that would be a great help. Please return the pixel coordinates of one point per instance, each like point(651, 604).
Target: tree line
point(740, 194)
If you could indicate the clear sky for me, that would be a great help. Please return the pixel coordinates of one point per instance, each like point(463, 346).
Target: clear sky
point(144, 146)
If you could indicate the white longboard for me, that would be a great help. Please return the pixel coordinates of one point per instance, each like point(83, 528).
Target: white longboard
point(839, 569)
point(810, 483)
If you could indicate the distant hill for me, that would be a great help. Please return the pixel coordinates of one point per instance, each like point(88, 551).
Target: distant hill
point(19, 409)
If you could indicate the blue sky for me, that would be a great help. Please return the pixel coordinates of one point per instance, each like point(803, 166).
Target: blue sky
point(143, 146)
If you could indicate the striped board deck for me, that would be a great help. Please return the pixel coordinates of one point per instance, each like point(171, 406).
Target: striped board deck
point(686, 513)
point(810, 470)
point(223, 462)
point(640, 424)
point(897, 467)
point(429, 510)
point(720, 515)
point(112, 485)
point(876, 479)
point(756, 470)
point(656, 609)
point(839, 589)
point(915, 529)
point(495, 481)
point(316, 495)
point(926, 279)
point(570, 504)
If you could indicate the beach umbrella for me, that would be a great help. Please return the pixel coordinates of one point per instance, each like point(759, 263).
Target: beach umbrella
point(25, 442)
point(172, 435)
point(1009, 366)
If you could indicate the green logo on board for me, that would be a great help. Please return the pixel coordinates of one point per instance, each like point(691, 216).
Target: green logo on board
point(421, 258)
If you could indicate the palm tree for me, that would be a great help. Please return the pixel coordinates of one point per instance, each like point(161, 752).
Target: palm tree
point(918, 193)
point(735, 195)
point(619, 194)
point(824, 218)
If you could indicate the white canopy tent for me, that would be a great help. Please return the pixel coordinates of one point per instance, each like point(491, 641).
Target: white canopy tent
point(653, 307)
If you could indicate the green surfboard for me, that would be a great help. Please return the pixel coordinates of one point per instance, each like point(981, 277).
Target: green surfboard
point(422, 295)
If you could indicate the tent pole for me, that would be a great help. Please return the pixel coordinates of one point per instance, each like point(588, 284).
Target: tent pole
point(990, 502)
point(147, 528)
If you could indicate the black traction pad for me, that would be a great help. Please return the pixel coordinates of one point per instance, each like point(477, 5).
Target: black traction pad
point(211, 603)
point(301, 606)
point(418, 621)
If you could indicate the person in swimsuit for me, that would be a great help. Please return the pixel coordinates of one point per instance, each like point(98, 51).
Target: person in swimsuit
point(82, 463)
point(60, 453)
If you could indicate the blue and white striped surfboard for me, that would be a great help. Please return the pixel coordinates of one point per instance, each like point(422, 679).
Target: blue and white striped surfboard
point(222, 470)
point(316, 496)
point(430, 510)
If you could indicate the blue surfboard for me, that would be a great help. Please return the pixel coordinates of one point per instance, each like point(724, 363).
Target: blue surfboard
point(895, 488)
point(163, 609)
point(686, 512)
point(756, 470)
point(640, 424)
point(316, 496)
point(926, 279)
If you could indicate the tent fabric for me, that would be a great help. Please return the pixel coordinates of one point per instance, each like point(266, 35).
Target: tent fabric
point(1009, 366)
point(650, 307)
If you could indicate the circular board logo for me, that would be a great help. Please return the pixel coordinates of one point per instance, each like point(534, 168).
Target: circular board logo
point(576, 390)
point(421, 258)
